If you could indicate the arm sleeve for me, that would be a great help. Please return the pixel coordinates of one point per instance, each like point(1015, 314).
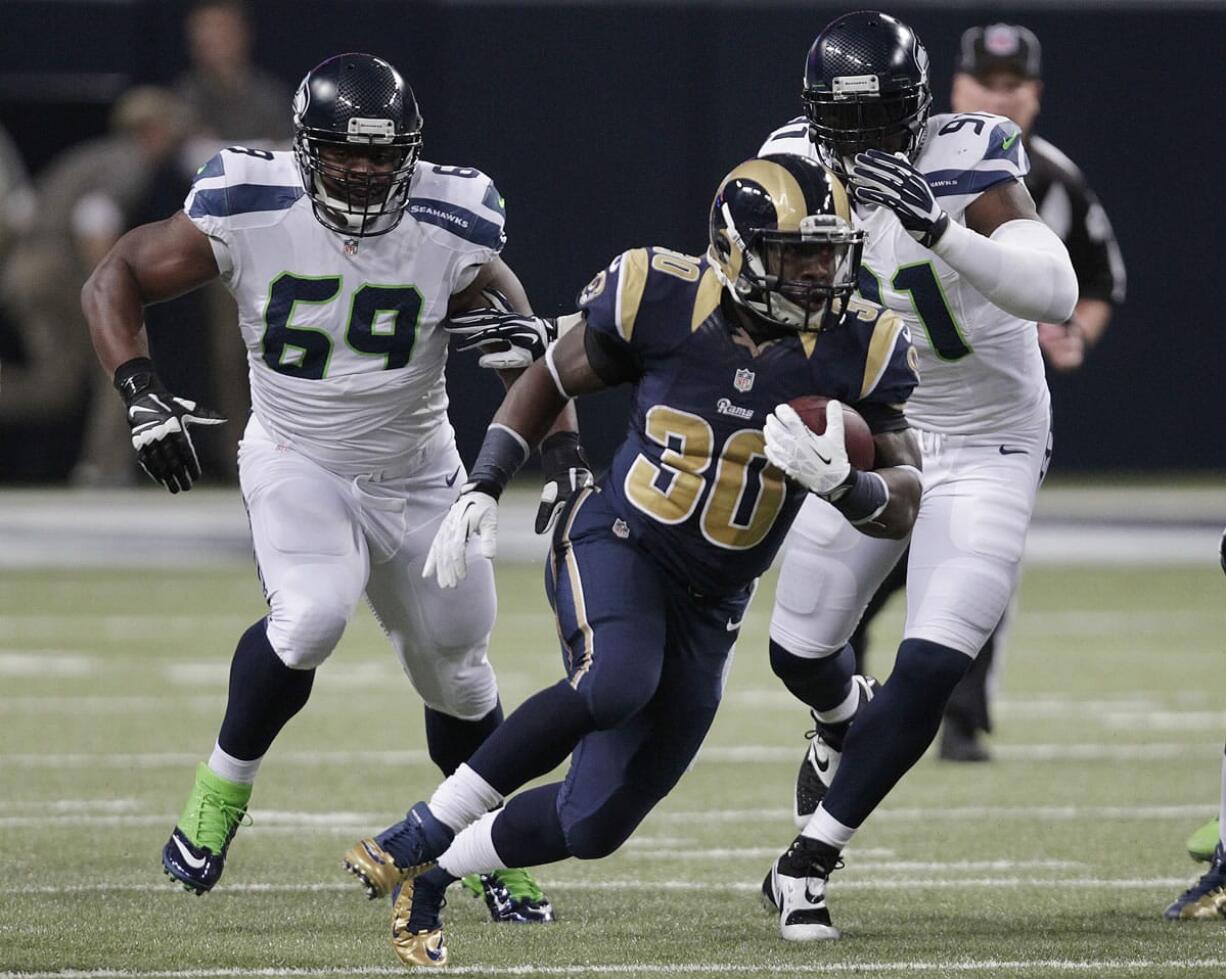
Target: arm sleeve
point(1023, 268)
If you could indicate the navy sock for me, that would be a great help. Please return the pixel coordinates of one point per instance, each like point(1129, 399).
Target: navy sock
point(264, 695)
point(538, 736)
point(894, 729)
point(451, 741)
point(528, 831)
point(822, 683)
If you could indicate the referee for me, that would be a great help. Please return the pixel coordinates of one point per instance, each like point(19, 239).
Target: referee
point(999, 71)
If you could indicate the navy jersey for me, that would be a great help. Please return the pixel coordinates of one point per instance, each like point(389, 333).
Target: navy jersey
point(691, 480)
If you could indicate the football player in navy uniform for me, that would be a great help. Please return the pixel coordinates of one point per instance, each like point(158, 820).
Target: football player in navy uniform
point(651, 570)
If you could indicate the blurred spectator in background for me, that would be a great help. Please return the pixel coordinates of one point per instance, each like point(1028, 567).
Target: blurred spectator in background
point(234, 103)
point(233, 100)
point(16, 205)
point(84, 200)
point(998, 71)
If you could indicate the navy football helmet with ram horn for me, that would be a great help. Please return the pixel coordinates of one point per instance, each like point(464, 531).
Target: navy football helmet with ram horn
point(866, 87)
point(782, 242)
point(357, 138)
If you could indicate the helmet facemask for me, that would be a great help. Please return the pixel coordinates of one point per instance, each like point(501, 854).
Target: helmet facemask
point(356, 202)
point(800, 280)
point(844, 123)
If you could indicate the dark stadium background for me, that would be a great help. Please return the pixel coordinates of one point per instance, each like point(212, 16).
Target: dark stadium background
point(608, 125)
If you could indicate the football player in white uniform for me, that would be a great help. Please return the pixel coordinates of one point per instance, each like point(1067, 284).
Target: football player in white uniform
point(956, 248)
point(345, 256)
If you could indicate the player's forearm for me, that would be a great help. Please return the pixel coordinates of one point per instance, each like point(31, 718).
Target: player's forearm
point(530, 410)
point(1092, 317)
point(895, 521)
point(114, 311)
point(1023, 268)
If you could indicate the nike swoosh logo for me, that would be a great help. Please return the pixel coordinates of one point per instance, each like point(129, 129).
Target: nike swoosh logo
point(1011, 452)
point(450, 480)
point(195, 862)
point(733, 626)
point(1009, 141)
point(825, 461)
point(822, 762)
point(435, 954)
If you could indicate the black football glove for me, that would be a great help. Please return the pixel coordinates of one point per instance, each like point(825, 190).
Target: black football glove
point(506, 340)
point(566, 472)
point(893, 183)
point(160, 424)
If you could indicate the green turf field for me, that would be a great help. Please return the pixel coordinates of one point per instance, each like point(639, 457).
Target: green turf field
point(1055, 860)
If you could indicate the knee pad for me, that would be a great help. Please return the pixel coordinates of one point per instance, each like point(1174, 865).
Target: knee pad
point(601, 833)
point(613, 699)
point(466, 689)
point(304, 634)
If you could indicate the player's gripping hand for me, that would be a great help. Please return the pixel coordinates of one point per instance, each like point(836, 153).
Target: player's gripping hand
point(892, 182)
point(818, 462)
point(474, 514)
point(505, 340)
point(566, 472)
point(161, 425)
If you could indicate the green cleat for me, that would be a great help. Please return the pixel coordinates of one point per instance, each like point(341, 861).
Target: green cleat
point(511, 895)
point(1203, 842)
point(195, 854)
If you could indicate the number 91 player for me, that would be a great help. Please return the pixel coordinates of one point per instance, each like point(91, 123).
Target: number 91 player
point(955, 247)
point(345, 257)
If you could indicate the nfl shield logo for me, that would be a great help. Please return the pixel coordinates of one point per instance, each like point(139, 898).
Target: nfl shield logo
point(743, 380)
point(351, 246)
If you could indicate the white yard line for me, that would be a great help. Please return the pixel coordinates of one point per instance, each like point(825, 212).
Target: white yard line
point(171, 759)
point(993, 966)
point(840, 883)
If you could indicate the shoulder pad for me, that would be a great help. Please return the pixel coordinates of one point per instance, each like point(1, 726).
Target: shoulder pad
point(241, 183)
point(651, 296)
point(791, 137)
point(968, 152)
point(462, 201)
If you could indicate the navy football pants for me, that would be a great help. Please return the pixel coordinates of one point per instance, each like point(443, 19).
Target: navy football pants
point(649, 659)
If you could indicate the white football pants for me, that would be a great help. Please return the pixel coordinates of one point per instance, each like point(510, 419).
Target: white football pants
point(966, 548)
point(322, 539)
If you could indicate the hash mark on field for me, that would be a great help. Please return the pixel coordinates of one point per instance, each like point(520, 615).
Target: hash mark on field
point(993, 966)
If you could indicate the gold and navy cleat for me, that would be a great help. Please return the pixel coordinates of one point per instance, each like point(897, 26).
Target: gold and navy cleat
point(417, 929)
point(375, 869)
point(1206, 899)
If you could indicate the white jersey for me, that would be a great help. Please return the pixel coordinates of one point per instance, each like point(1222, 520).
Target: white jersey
point(344, 347)
point(981, 371)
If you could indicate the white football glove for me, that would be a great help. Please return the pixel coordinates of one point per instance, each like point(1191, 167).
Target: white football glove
point(818, 462)
point(473, 514)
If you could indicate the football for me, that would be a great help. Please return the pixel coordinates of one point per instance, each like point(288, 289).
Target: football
point(856, 435)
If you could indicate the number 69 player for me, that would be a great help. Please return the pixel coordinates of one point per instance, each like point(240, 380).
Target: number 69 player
point(345, 257)
point(955, 247)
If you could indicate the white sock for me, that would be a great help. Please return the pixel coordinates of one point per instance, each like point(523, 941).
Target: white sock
point(463, 798)
point(233, 769)
point(824, 827)
point(1221, 826)
point(845, 710)
point(472, 851)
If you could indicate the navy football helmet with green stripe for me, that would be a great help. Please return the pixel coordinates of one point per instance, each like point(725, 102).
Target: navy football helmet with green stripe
point(357, 138)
